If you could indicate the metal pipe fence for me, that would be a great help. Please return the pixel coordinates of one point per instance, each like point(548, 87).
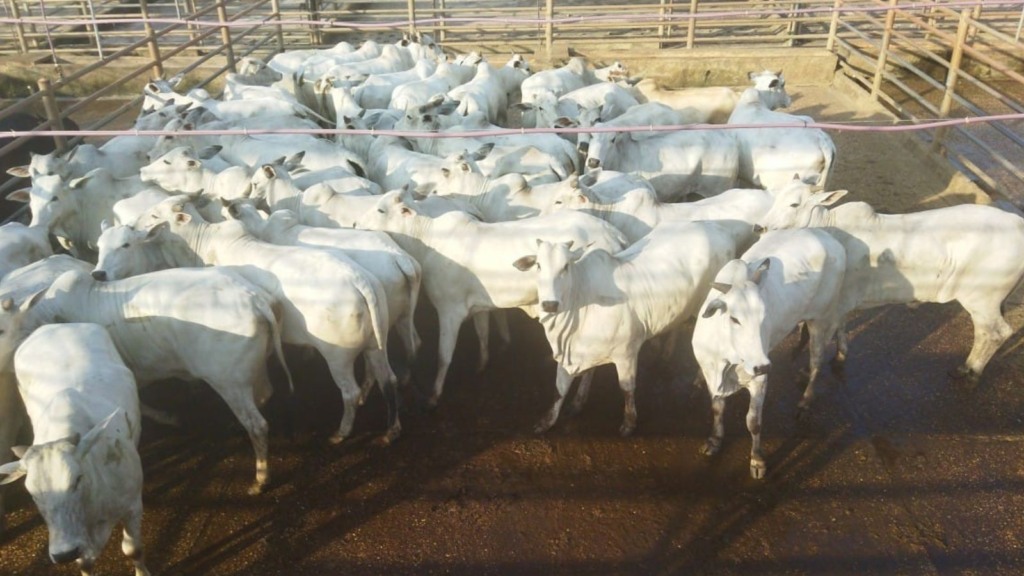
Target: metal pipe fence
point(923, 59)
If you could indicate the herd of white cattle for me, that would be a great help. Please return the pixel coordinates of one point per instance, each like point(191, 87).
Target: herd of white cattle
point(196, 257)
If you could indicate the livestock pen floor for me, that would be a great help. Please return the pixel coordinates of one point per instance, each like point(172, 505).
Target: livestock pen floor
point(897, 469)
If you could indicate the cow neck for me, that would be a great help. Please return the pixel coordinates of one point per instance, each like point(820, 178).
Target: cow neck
point(199, 236)
point(197, 181)
point(562, 326)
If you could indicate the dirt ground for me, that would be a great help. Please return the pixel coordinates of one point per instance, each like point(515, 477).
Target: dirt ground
point(896, 470)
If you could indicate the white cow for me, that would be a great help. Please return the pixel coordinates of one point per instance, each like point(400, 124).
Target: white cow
point(329, 303)
point(575, 74)
point(677, 164)
point(608, 99)
point(599, 308)
point(488, 91)
point(73, 210)
point(770, 156)
point(83, 468)
point(446, 76)
point(714, 104)
point(19, 286)
point(376, 90)
point(376, 252)
point(162, 333)
point(787, 277)
point(466, 262)
point(968, 253)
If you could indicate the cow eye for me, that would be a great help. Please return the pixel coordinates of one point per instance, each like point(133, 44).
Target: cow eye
point(557, 202)
point(381, 210)
point(734, 320)
point(794, 205)
point(125, 245)
point(54, 199)
point(168, 162)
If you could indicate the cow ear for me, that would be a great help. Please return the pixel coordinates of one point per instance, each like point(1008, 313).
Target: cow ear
point(90, 438)
point(155, 231)
point(23, 195)
point(20, 450)
point(483, 151)
point(714, 306)
point(563, 122)
point(406, 211)
point(182, 218)
point(721, 286)
point(269, 171)
point(446, 172)
point(32, 301)
point(7, 304)
point(464, 167)
point(525, 263)
point(12, 471)
point(758, 274)
point(523, 106)
point(104, 225)
point(19, 171)
point(828, 198)
point(751, 76)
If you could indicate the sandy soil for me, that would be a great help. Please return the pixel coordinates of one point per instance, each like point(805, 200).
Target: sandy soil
point(895, 470)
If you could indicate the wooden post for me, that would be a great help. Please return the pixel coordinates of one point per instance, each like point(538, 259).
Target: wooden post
point(154, 49)
point(664, 29)
point(973, 30)
point(412, 17)
point(225, 35)
point(20, 28)
point(833, 26)
point(953, 74)
point(314, 15)
point(441, 32)
point(52, 113)
point(883, 51)
point(691, 26)
point(275, 5)
point(190, 9)
point(794, 26)
point(549, 28)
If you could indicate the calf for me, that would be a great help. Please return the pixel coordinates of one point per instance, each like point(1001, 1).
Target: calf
point(785, 278)
point(939, 255)
point(599, 308)
point(83, 469)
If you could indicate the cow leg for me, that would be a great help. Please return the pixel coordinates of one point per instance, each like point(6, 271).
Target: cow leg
point(159, 416)
point(341, 364)
point(14, 418)
point(239, 398)
point(562, 382)
point(448, 333)
point(501, 327)
point(627, 383)
point(819, 334)
point(990, 332)
point(714, 442)
point(381, 367)
point(410, 341)
point(757, 388)
point(582, 392)
point(482, 324)
point(131, 540)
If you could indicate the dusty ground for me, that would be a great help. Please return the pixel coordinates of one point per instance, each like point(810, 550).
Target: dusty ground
point(897, 470)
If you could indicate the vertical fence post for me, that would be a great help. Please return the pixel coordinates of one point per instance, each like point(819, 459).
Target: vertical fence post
point(691, 25)
point(953, 74)
point(20, 28)
point(89, 10)
point(833, 27)
point(412, 16)
point(441, 32)
point(973, 31)
point(190, 10)
point(883, 51)
point(275, 5)
point(664, 29)
point(314, 15)
point(794, 25)
point(549, 27)
point(154, 49)
point(52, 113)
point(225, 35)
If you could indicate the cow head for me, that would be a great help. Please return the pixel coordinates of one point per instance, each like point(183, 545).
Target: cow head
point(771, 88)
point(122, 251)
point(178, 170)
point(798, 205)
point(736, 305)
point(61, 483)
point(553, 263)
point(392, 213)
point(12, 318)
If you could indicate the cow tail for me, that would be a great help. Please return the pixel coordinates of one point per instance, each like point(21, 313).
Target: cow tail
point(266, 310)
point(828, 151)
point(413, 277)
point(376, 303)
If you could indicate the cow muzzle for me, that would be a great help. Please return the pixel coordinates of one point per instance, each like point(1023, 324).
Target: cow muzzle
point(100, 275)
point(64, 557)
point(593, 163)
point(549, 306)
point(758, 229)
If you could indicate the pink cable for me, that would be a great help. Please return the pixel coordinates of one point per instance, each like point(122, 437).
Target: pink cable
point(838, 127)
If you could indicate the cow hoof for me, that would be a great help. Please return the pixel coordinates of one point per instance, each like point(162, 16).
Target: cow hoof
point(256, 489)
point(393, 434)
point(757, 469)
point(710, 448)
point(543, 426)
point(626, 430)
point(964, 373)
point(336, 438)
